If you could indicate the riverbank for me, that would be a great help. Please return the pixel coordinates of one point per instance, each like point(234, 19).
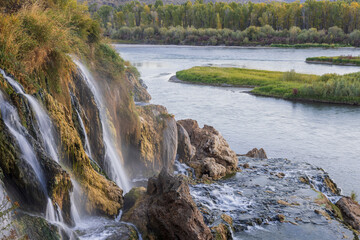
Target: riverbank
point(243, 44)
point(338, 60)
point(328, 88)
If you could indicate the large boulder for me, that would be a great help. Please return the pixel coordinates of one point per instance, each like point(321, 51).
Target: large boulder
point(167, 210)
point(212, 153)
point(350, 210)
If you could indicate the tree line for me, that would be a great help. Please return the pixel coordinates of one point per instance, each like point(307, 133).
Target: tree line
point(279, 17)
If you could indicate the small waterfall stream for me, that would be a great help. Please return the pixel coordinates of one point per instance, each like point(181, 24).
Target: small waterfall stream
point(46, 129)
point(44, 122)
point(86, 139)
point(113, 166)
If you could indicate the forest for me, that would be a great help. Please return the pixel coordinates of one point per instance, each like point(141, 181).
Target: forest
point(232, 24)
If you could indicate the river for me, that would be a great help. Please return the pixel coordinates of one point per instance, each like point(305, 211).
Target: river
point(327, 136)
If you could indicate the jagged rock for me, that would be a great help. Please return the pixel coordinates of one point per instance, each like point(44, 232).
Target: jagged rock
point(158, 140)
point(213, 169)
point(209, 144)
point(167, 210)
point(350, 210)
point(185, 150)
point(139, 88)
point(257, 153)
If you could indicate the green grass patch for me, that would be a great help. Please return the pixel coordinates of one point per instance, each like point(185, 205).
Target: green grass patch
point(338, 60)
point(310, 45)
point(329, 88)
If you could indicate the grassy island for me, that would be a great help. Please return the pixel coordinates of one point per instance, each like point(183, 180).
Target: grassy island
point(339, 60)
point(329, 88)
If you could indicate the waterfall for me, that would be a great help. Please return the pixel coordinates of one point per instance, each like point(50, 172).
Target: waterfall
point(42, 118)
point(12, 122)
point(45, 127)
point(86, 143)
point(112, 161)
point(74, 208)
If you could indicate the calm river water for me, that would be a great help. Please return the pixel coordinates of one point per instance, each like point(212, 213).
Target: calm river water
point(325, 135)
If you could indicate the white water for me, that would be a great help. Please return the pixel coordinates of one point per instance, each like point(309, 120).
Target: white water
point(87, 144)
point(74, 196)
point(42, 118)
point(12, 121)
point(46, 133)
point(113, 161)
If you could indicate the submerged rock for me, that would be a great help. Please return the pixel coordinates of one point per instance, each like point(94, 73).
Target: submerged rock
point(167, 210)
point(257, 153)
point(213, 156)
point(350, 210)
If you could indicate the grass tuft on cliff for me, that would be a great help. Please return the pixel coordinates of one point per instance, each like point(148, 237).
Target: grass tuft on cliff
point(329, 88)
point(38, 38)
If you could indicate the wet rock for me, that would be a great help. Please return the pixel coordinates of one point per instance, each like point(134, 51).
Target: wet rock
point(350, 210)
point(246, 165)
point(167, 210)
point(221, 232)
point(158, 140)
point(185, 150)
point(280, 217)
point(19, 177)
point(257, 153)
point(59, 186)
point(227, 219)
point(32, 227)
point(209, 144)
point(332, 186)
point(100, 195)
point(280, 175)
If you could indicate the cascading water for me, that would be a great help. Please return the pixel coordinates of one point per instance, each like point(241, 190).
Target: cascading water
point(45, 127)
point(12, 122)
point(43, 120)
point(112, 161)
point(86, 139)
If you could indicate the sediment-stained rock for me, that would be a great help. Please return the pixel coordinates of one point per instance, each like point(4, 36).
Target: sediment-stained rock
point(158, 140)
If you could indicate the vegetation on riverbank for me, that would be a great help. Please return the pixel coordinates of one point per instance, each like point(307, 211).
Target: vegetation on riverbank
point(233, 23)
point(310, 45)
point(339, 60)
point(329, 88)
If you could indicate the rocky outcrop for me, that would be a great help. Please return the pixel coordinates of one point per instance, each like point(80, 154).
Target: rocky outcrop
point(185, 150)
point(257, 153)
point(139, 89)
point(167, 210)
point(213, 156)
point(158, 140)
point(350, 210)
